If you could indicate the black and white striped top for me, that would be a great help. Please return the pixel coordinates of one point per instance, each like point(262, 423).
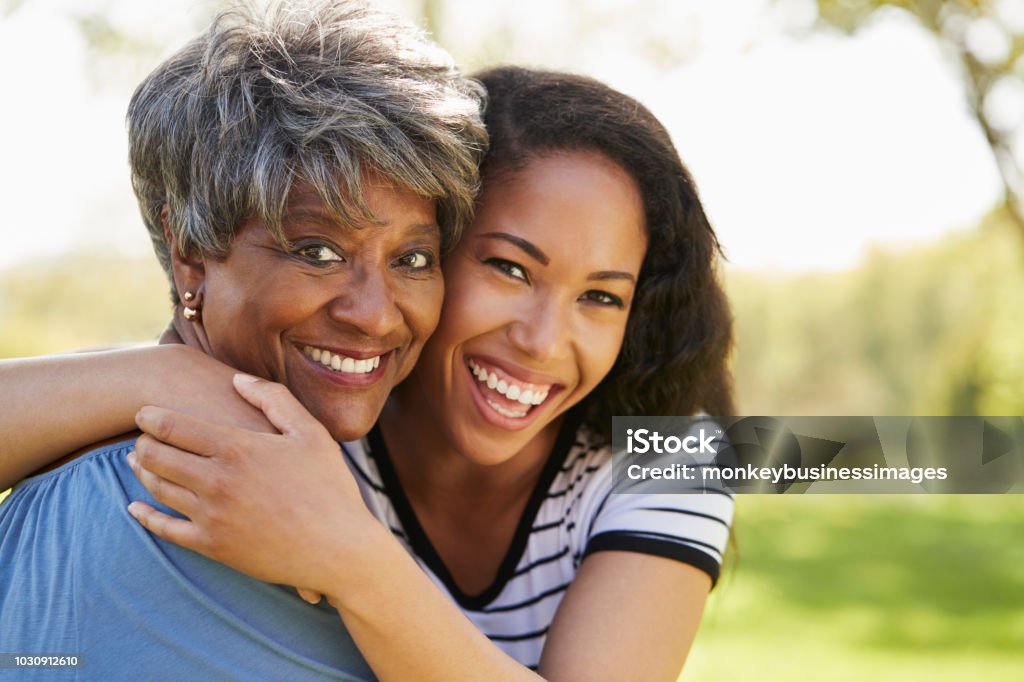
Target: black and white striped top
point(571, 514)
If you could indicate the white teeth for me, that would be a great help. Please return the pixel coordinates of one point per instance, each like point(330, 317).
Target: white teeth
point(524, 396)
point(508, 413)
point(341, 363)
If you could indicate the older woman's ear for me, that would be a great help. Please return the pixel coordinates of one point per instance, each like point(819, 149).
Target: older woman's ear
point(189, 269)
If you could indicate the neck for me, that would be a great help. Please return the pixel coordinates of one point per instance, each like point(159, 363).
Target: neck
point(433, 470)
point(180, 330)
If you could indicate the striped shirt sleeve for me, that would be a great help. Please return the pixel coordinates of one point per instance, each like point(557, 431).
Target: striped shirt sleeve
point(693, 528)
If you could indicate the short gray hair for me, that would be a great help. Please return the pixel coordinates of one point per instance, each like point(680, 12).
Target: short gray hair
point(319, 91)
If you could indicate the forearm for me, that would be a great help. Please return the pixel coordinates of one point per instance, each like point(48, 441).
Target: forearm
point(406, 628)
point(50, 406)
point(626, 616)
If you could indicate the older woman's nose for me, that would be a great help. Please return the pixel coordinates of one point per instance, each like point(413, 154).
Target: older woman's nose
point(368, 304)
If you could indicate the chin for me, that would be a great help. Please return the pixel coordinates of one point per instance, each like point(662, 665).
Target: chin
point(349, 428)
point(487, 447)
point(346, 422)
point(344, 434)
point(348, 431)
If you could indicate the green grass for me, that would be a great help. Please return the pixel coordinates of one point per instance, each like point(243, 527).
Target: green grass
point(852, 588)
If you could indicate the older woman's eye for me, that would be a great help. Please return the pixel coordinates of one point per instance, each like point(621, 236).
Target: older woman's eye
point(603, 298)
point(417, 260)
point(511, 269)
point(320, 253)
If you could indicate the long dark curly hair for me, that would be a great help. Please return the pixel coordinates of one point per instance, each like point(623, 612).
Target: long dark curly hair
point(679, 334)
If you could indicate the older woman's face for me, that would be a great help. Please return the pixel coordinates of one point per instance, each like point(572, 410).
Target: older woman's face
point(340, 318)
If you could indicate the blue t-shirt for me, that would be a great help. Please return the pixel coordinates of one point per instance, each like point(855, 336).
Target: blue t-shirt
point(78, 575)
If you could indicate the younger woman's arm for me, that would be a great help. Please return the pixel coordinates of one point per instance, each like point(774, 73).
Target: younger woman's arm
point(53, 405)
point(272, 506)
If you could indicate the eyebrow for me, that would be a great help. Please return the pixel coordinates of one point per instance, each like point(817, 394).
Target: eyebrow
point(611, 274)
point(303, 214)
point(327, 219)
point(530, 248)
point(427, 228)
point(541, 257)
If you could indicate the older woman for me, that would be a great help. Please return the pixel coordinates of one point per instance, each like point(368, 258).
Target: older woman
point(300, 175)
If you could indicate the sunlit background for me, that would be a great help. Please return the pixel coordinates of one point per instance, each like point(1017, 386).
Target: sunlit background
point(861, 161)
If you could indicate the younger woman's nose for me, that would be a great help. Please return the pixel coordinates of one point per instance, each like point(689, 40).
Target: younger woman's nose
point(542, 331)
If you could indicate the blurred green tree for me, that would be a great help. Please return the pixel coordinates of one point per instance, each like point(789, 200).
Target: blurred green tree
point(930, 330)
point(80, 302)
point(985, 40)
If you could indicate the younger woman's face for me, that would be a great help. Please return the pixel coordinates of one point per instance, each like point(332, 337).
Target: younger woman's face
point(537, 297)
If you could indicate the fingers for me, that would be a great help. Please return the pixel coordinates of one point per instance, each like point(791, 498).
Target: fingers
point(283, 410)
point(179, 531)
point(171, 494)
point(187, 469)
point(192, 434)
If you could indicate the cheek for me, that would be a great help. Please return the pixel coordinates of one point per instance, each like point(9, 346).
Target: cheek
point(600, 351)
point(231, 286)
point(470, 310)
point(421, 308)
point(247, 338)
point(422, 305)
point(245, 316)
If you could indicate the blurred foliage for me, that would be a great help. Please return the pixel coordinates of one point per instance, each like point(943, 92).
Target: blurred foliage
point(846, 588)
point(9, 7)
point(120, 53)
point(81, 301)
point(987, 46)
point(660, 33)
point(935, 330)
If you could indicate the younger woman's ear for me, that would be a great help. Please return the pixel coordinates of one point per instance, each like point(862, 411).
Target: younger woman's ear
point(189, 269)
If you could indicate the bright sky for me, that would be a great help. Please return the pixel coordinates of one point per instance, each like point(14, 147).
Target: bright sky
point(805, 151)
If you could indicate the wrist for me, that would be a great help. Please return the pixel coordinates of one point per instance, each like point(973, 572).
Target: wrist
point(160, 370)
point(360, 565)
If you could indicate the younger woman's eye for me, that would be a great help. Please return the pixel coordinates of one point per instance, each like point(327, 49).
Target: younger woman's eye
point(509, 268)
point(320, 253)
point(417, 260)
point(603, 298)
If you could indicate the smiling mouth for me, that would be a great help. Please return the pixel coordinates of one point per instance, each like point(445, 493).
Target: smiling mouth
point(506, 395)
point(341, 363)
